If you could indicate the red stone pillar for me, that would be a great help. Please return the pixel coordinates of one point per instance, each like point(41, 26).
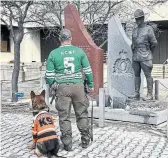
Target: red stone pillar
point(82, 39)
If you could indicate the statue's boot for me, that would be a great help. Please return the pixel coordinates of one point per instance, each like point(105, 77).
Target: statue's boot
point(150, 89)
point(136, 96)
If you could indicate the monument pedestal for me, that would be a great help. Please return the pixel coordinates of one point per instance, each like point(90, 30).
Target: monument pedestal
point(153, 112)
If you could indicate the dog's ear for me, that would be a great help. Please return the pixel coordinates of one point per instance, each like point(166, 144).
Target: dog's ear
point(32, 94)
point(43, 93)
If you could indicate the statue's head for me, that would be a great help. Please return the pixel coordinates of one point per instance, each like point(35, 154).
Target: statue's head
point(139, 16)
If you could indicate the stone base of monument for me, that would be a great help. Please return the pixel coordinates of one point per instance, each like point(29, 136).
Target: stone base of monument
point(153, 112)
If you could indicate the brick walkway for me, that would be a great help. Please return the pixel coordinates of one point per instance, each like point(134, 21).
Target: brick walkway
point(116, 140)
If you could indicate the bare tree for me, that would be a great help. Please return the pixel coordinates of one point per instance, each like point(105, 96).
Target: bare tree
point(19, 14)
point(96, 14)
point(55, 12)
point(93, 13)
point(155, 2)
point(15, 13)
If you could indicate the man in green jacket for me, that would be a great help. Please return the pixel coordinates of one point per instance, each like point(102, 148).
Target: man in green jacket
point(63, 70)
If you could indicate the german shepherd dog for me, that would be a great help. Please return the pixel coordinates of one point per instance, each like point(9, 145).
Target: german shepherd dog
point(45, 141)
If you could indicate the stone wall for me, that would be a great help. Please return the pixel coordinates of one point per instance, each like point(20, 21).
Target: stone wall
point(25, 87)
point(31, 70)
point(32, 77)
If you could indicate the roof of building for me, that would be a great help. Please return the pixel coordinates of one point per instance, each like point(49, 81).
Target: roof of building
point(159, 12)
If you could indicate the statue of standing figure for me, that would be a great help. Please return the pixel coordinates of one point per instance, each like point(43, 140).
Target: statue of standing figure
point(143, 45)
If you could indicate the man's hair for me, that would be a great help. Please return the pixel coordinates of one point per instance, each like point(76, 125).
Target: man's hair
point(65, 35)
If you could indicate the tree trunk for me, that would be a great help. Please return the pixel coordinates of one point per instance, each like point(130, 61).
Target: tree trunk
point(15, 74)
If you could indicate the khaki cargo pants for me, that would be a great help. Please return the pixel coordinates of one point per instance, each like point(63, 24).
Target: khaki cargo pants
point(67, 95)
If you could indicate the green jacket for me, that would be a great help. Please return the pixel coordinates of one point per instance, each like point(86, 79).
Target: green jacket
point(64, 65)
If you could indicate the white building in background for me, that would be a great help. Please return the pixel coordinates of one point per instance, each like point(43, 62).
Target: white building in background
point(30, 46)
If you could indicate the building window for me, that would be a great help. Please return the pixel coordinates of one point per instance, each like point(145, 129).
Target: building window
point(5, 39)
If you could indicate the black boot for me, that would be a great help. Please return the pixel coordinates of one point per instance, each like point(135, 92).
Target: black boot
point(136, 96)
point(49, 155)
point(150, 89)
point(85, 138)
point(67, 148)
point(85, 143)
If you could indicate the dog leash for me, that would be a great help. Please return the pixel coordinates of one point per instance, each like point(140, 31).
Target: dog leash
point(91, 132)
point(53, 95)
point(87, 91)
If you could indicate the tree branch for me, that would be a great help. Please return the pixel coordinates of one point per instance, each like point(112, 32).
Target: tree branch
point(26, 9)
point(5, 23)
point(11, 4)
point(11, 26)
point(103, 43)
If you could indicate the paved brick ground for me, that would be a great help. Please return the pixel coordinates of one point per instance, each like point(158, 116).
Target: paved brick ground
point(116, 140)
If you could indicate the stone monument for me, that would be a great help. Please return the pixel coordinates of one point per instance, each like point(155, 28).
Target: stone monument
point(120, 72)
point(82, 39)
